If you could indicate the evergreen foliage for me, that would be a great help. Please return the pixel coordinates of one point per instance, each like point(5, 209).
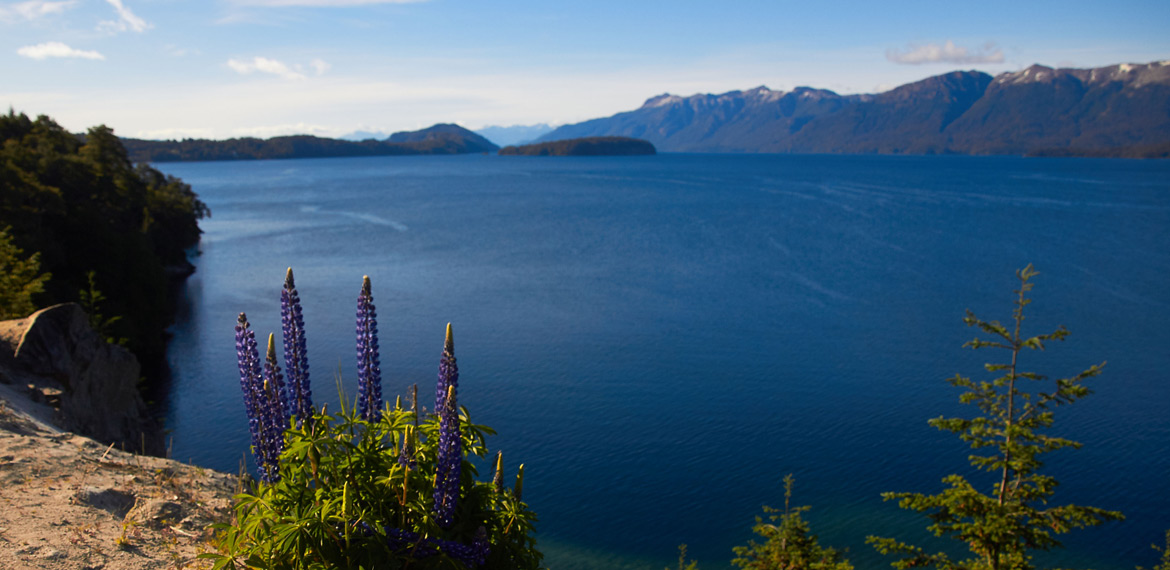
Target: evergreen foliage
point(91, 301)
point(1164, 563)
point(683, 563)
point(1002, 527)
point(20, 279)
point(788, 544)
point(82, 205)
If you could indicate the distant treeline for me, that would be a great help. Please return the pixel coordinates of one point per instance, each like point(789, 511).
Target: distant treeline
point(586, 146)
point(81, 206)
point(439, 139)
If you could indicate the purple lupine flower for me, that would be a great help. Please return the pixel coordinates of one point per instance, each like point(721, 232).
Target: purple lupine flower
point(448, 464)
point(406, 454)
point(274, 416)
point(263, 400)
point(448, 372)
point(480, 546)
point(415, 546)
point(368, 366)
point(250, 378)
point(296, 361)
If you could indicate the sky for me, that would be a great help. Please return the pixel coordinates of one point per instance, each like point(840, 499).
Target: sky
point(231, 68)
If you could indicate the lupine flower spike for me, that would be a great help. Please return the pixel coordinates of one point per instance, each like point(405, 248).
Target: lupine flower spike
point(368, 366)
point(448, 372)
point(250, 377)
point(519, 490)
point(414, 403)
point(498, 475)
point(406, 453)
point(296, 361)
point(274, 416)
point(448, 464)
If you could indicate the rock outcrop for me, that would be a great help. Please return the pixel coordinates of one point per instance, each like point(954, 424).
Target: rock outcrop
point(72, 503)
point(91, 386)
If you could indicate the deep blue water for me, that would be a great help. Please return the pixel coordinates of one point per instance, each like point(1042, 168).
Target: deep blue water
point(661, 339)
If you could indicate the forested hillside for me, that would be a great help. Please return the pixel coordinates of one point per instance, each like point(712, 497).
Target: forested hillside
point(110, 234)
point(437, 139)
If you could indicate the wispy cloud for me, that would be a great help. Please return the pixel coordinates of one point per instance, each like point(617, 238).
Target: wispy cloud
point(180, 52)
point(319, 66)
point(275, 67)
point(174, 134)
point(321, 3)
point(32, 9)
point(127, 20)
point(56, 49)
point(945, 53)
point(269, 131)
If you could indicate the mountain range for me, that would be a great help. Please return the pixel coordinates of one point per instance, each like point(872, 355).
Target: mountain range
point(1119, 110)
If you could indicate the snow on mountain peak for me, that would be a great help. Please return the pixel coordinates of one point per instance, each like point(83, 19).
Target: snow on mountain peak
point(661, 100)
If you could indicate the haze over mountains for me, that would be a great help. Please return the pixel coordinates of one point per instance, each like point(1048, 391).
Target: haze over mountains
point(1119, 110)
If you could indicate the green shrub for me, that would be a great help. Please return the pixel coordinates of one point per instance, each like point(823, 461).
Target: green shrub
point(345, 500)
point(372, 486)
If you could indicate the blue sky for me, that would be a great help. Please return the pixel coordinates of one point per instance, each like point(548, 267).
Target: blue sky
point(229, 68)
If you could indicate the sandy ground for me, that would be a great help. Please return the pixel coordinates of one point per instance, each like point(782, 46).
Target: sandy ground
point(68, 502)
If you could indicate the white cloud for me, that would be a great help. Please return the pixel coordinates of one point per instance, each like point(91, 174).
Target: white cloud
point(264, 65)
point(174, 134)
point(946, 53)
point(33, 9)
point(265, 132)
point(321, 3)
point(319, 66)
point(127, 20)
point(277, 68)
point(56, 49)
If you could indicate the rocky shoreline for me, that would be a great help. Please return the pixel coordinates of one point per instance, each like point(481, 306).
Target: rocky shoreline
point(72, 501)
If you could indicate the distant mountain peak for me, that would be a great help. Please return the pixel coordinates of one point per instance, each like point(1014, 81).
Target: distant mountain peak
point(661, 101)
point(1117, 110)
point(1131, 74)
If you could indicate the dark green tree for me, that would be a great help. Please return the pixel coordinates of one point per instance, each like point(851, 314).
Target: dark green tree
point(98, 223)
point(788, 544)
point(1004, 526)
point(20, 279)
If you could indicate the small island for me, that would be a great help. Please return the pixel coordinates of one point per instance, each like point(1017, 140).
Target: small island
point(588, 146)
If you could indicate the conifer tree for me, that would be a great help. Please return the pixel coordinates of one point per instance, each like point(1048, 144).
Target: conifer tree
point(20, 279)
point(789, 544)
point(1004, 526)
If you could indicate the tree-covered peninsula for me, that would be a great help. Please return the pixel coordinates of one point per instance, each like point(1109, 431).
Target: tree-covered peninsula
point(437, 139)
point(587, 146)
point(84, 224)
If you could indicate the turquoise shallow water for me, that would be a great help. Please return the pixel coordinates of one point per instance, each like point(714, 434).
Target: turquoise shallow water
point(661, 339)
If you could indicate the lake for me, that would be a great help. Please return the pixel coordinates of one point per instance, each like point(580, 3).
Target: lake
point(662, 339)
